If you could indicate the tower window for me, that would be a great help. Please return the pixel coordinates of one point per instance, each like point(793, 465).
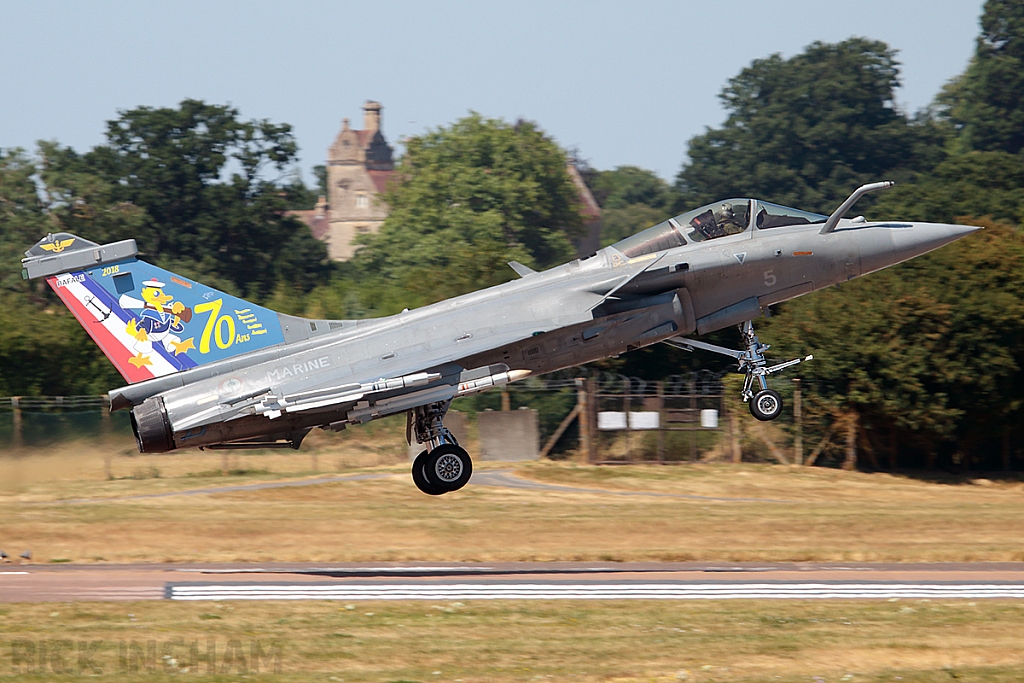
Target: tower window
point(362, 201)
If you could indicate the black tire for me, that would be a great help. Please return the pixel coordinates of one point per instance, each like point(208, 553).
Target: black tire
point(766, 405)
point(419, 476)
point(448, 467)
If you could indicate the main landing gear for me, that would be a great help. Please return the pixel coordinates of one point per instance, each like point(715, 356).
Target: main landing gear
point(765, 404)
point(444, 466)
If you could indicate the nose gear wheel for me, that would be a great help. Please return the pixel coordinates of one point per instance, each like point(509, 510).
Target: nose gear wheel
point(766, 405)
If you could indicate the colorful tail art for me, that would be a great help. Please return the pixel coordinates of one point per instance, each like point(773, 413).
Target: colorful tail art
point(148, 322)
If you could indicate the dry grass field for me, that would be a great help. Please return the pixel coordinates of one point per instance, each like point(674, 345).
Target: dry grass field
point(711, 512)
point(733, 512)
point(88, 462)
point(494, 642)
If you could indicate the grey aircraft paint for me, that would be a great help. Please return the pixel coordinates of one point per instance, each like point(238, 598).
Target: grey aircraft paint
point(714, 267)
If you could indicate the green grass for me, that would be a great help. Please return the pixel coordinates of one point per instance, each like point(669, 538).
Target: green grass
point(625, 641)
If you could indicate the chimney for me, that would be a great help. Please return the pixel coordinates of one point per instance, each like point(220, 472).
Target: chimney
point(371, 116)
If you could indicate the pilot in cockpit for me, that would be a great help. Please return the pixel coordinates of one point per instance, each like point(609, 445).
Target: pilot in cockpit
point(725, 216)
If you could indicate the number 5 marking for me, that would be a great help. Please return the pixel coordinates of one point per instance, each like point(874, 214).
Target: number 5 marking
point(769, 281)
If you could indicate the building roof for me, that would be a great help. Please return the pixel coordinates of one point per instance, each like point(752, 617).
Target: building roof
point(380, 179)
point(591, 209)
point(316, 219)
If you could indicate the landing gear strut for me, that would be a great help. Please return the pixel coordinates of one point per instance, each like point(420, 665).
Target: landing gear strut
point(444, 466)
point(765, 404)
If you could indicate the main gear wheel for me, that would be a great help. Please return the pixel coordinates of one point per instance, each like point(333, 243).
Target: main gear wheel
point(449, 467)
point(419, 476)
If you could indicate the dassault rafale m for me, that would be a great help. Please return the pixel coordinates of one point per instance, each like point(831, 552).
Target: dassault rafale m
point(206, 369)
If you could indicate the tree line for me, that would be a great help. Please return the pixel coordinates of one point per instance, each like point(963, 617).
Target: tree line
point(927, 355)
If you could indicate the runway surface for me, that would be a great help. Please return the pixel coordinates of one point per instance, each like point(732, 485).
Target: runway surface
point(577, 581)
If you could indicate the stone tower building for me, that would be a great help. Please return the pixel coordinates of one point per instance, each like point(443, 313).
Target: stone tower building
point(359, 165)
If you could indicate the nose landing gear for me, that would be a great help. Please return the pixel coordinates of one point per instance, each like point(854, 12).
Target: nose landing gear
point(765, 403)
point(444, 466)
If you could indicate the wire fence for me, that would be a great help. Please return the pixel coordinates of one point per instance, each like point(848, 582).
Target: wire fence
point(34, 421)
point(697, 416)
point(605, 417)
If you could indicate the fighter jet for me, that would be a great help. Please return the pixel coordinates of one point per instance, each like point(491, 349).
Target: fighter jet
point(207, 369)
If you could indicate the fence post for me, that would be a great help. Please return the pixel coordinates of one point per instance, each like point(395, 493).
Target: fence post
point(734, 437)
point(16, 421)
point(798, 440)
point(851, 443)
point(583, 401)
point(506, 401)
point(105, 436)
point(694, 420)
point(661, 421)
point(105, 418)
point(1007, 449)
point(629, 429)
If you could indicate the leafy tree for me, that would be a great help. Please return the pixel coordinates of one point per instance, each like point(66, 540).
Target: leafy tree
point(320, 173)
point(629, 185)
point(979, 118)
point(805, 131)
point(189, 184)
point(469, 198)
point(986, 103)
point(22, 219)
point(631, 200)
point(300, 196)
point(620, 223)
point(928, 352)
point(77, 199)
point(967, 184)
point(43, 350)
point(197, 174)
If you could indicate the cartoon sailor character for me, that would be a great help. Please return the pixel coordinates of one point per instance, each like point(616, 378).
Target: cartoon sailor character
point(160, 321)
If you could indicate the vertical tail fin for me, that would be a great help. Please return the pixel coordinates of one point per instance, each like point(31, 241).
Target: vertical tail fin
point(149, 322)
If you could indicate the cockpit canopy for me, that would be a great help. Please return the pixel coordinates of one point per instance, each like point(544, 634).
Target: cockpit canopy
point(727, 217)
point(774, 216)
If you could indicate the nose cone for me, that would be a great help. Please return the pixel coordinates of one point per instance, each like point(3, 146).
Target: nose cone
point(887, 244)
point(920, 238)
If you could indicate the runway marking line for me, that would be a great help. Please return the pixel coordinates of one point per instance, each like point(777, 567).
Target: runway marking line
point(577, 591)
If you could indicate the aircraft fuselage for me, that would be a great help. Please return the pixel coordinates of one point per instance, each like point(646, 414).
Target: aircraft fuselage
point(208, 369)
point(549, 320)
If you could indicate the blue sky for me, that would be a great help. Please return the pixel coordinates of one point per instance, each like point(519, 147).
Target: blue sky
point(624, 82)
